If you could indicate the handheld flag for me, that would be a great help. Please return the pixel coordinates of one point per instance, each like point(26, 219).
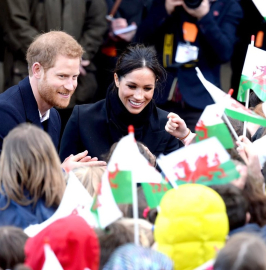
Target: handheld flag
point(127, 164)
point(206, 163)
point(154, 192)
point(253, 74)
point(210, 125)
point(104, 207)
point(233, 108)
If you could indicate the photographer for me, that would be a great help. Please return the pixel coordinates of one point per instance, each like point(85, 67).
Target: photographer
point(186, 34)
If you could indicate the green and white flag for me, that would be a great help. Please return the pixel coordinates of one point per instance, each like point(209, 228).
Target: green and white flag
point(233, 108)
point(206, 163)
point(104, 207)
point(154, 192)
point(127, 164)
point(261, 6)
point(210, 125)
point(253, 74)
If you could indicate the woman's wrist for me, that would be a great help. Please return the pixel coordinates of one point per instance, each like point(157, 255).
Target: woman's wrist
point(184, 137)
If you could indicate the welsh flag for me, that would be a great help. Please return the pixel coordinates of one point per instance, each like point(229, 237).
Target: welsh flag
point(206, 163)
point(154, 192)
point(76, 200)
point(104, 207)
point(51, 261)
point(261, 6)
point(127, 164)
point(253, 74)
point(233, 108)
point(210, 124)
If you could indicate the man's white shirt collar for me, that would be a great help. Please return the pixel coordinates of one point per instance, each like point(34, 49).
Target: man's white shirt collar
point(45, 116)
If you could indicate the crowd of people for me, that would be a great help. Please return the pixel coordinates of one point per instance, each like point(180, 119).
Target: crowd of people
point(74, 76)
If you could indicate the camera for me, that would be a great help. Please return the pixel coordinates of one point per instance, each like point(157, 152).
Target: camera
point(192, 3)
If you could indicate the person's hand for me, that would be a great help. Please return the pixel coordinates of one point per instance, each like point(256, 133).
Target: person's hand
point(200, 11)
point(81, 160)
point(82, 70)
point(121, 23)
point(241, 181)
point(247, 151)
point(176, 126)
point(170, 5)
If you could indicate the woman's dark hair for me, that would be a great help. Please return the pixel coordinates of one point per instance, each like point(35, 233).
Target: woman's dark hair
point(12, 242)
point(139, 56)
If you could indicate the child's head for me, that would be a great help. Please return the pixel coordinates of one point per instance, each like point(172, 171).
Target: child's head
point(243, 251)
point(12, 242)
point(236, 205)
point(90, 177)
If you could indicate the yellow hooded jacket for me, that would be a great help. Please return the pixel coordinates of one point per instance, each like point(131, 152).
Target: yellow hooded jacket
point(191, 226)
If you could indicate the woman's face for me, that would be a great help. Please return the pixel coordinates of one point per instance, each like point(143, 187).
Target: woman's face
point(136, 89)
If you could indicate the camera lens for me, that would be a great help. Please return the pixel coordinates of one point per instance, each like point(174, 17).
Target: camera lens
point(192, 3)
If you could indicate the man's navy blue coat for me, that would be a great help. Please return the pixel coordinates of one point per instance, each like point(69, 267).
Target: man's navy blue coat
point(18, 105)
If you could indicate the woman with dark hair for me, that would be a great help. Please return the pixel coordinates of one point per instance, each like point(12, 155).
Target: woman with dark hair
point(129, 101)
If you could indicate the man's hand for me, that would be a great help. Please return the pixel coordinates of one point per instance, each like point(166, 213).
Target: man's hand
point(200, 11)
point(80, 160)
point(121, 23)
point(171, 4)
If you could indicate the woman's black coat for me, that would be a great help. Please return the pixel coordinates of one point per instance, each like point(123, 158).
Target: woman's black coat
point(89, 129)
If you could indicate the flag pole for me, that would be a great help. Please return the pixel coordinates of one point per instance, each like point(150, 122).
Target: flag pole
point(247, 94)
point(135, 200)
point(228, 121)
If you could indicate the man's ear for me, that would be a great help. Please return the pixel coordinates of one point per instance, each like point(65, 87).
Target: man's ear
point(116, 79)
point(37, 70)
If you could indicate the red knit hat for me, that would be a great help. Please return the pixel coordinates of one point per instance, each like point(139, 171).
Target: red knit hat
point(73, 241)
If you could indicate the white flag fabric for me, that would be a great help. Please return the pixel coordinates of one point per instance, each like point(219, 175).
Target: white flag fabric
point(76, 199)
point(51, 262)
point(233, 108)
point(128, 157)
point(104, 206)
point(253, 74)
point(261, 6)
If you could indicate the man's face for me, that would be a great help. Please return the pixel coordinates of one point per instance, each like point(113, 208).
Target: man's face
point(57, 84)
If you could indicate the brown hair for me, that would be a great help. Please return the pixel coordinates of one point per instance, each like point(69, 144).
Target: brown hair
point(29, 162)
point(46, 47)
point(258, 110)
point(90, 177)
point(113, 236)
point(256, 199)
point(12, 242)
point(242, 251)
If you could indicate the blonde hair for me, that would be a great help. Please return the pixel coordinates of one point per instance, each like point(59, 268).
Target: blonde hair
point(46, 47)
point(90, 177)
point(29, 164)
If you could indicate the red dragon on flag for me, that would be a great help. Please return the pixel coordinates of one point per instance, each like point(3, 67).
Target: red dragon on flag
point(202, 169)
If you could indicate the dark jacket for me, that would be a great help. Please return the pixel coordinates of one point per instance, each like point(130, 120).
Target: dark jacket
point(215, 40)
point(89, 128)
point(18, 105)
point(83, 19)
point(23, 216)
